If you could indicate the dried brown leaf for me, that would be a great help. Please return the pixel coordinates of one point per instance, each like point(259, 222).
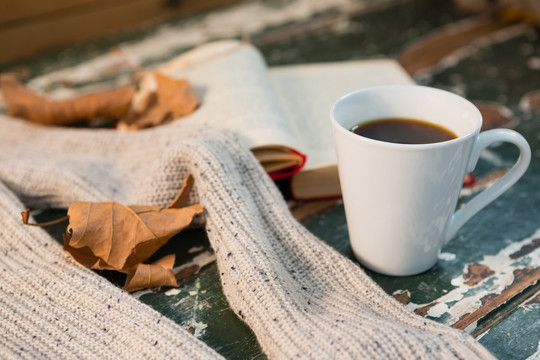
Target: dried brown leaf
point(186, 272)
point(117, 236)
point(111, 236)
point(24, 103)
point(159, 99)
point(25, 216)
point(176, 95)
point(153, 116)
point(183, 196)
point(144, 276)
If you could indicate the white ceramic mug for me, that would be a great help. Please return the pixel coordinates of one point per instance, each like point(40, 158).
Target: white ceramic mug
point(400, 199)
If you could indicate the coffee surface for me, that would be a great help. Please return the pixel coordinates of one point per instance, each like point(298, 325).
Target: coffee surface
point(403, 131)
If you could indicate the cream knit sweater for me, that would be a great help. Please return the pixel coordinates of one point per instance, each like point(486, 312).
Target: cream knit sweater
point(301, 298)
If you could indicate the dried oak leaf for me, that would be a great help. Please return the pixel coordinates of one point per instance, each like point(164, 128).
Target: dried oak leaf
point(176, 95)
point(24, 103)
point(144, 276)
point(159, 99)
point(152, 115)
point(112, 236)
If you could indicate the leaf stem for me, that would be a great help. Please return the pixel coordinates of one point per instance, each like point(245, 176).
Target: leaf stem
point(26, 214)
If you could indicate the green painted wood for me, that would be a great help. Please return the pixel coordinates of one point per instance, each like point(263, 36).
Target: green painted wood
point(515, 336)
point(199, 305)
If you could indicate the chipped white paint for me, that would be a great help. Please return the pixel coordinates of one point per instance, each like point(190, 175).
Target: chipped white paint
point(398, 292)
point(172, 292)
point(447, 256)
point(437, 310)
point(464, 299)
point(471, 327)
point(196, 326)
point(195, 249)
point(181, 301)
point(200, 260)
point(199, 328)
point(536, 355)
point(204, 258)
point(138, 294)
point(241, 20)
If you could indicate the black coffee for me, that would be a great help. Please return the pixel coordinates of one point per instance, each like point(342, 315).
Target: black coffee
point(403, 131)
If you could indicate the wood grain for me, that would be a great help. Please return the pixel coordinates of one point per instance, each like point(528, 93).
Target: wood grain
point(85, 20)
point(430, 50)
point(523, 279)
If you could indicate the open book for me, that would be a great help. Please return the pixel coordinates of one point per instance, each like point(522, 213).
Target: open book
point(283, 113)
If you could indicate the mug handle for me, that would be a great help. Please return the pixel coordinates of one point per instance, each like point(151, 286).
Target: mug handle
point(486, 139)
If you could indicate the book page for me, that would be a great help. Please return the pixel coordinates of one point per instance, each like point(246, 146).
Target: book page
point(231, 80)
point(308, 92)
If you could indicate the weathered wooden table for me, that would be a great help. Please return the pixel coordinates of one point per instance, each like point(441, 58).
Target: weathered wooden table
point(486, 280)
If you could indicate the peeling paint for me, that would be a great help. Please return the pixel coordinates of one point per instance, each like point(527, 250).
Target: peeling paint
point(198, 328)
point(438, 310)
point(424, 310)
point(172, 292)
point(447, 256)
point(195, 249)
point(533, 300)
point(522, 279)
point(471, 327)
point(485, 285)
point(192, 325)
point(403, 296)
point(477, 273)
point(138, 294)
point(526, 249)
point(536, 355)
point(200, 260)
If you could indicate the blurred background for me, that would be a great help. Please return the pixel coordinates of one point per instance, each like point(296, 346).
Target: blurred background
point(33, 27)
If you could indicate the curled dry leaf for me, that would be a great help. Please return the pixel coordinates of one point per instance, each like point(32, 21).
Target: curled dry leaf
point(160, 98)
point(144, 276)
point(24, 103)
point(149, 117)
point(175, 95)
point(186, 272)
point(112, 236)
point(183, 195)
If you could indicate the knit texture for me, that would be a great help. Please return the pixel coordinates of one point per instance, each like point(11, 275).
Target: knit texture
point(300, 297)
